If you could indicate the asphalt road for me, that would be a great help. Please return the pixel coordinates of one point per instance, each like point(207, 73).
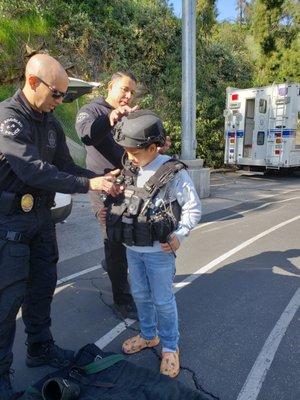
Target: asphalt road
point(237, 289)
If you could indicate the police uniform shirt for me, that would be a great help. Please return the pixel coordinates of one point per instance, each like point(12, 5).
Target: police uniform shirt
point(94, 129)
point(34, 157)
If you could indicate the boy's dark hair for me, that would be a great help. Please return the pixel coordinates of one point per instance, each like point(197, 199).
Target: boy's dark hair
point(119, 74)
point(158, 144)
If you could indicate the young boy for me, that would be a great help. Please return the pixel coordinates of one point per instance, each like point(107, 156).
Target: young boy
point(157, 210)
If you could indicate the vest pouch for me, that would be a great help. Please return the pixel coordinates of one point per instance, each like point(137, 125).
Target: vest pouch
point(127, 230)
point(142, 233)
point(162, 225)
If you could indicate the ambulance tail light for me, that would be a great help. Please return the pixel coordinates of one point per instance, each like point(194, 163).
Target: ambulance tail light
point(234, 97)
point(277, 152)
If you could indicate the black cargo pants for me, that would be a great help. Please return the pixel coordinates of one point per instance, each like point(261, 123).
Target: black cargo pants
point(117, 269)
point(28, 277)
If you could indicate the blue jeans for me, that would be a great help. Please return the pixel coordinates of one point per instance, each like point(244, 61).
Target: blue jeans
point(151, 277)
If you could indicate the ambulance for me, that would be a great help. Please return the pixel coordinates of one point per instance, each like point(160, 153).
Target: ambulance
point(262, 127)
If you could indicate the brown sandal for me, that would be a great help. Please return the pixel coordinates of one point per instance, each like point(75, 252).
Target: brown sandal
point(137, 343)
point(170, 364)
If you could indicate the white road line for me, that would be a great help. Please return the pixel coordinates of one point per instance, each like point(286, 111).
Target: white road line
point(113, 333)
point(83, 272)
point(86, 271)
point(256, 377)
point(183, 283)
point(229, 253)
point(245, 212)
point(121, 327)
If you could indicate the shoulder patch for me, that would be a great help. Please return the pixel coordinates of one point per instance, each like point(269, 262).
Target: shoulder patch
point(81, 116)
point(52, 139)
point(11, 127)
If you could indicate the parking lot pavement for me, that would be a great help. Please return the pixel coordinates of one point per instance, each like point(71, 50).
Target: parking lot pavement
point(227, 190)
point(226, 316)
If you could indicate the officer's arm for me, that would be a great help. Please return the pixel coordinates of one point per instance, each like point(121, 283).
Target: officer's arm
point(63, 159)
point(22, 154)
point(92, 127)
point(190, 203)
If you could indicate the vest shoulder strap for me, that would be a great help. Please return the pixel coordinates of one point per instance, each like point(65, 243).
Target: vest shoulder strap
point(163, 175)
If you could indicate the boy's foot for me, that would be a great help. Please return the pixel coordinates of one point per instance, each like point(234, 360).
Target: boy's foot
point(137, 343)
point(6, 391)
point(126, 310)
point(170, 365)
point(48, 353)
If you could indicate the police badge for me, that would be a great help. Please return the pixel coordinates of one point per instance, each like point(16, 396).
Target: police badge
point(27, 202)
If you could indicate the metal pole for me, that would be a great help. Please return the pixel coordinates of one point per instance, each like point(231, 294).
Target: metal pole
point(188, 115)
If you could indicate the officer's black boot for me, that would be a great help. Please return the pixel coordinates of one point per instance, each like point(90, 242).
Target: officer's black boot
point(48, 353)
point(6, 391)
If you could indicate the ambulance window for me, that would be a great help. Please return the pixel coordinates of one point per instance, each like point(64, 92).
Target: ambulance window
point(262, 106)
point(260, 138)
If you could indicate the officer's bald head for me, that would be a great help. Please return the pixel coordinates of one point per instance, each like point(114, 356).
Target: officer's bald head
point(46, 68)
point(46, 82)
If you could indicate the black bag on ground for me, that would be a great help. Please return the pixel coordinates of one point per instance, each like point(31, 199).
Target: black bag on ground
point(108, 376)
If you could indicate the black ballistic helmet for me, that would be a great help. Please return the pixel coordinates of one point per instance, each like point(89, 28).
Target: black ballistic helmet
point(139, 129)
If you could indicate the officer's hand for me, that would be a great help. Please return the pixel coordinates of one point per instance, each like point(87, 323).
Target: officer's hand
point(173, 245)
point(101, 215)
point(166, 146)
point(113, 174)
point(104, 184)
point(119, 112)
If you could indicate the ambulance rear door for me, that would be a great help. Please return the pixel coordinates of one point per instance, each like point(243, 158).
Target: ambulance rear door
point(260, 129)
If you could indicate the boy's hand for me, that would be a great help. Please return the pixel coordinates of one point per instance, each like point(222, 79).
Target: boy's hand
point(101, 215)
point(173, 245)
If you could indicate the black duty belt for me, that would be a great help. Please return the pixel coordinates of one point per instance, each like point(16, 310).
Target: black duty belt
point(12, 236)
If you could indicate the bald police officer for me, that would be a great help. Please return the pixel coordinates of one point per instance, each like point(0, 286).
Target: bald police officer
point(34, 163)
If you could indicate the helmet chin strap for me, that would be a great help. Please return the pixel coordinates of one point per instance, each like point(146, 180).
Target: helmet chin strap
point(128, 164)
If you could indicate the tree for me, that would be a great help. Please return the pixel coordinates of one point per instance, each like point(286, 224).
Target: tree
point(275, 28)
point(242, 9)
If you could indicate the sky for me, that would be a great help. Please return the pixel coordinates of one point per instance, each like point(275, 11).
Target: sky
point(226, 8)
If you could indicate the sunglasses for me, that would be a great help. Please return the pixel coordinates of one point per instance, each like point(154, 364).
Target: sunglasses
point(56, 94)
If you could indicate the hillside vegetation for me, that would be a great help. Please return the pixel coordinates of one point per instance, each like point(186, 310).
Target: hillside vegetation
point(94, 38)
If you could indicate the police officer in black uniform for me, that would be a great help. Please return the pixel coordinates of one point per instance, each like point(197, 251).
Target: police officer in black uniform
point(94, 124)
point(34, 164)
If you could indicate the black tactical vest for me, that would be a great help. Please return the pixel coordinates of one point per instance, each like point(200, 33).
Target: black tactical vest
point(133, 218)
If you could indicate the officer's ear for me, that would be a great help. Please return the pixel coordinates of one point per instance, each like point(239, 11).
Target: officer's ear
point(33, 81)
point(109, 86)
